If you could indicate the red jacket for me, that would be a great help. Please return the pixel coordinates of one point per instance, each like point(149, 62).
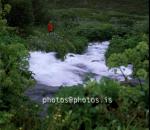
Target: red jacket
point(50, 27)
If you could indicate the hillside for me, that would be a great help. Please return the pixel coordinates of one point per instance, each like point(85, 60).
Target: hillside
point(130, 6)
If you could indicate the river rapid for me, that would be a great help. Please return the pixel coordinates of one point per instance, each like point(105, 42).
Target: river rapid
point(50, 71)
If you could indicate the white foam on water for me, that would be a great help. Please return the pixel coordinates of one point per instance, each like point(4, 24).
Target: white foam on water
point(49, 70)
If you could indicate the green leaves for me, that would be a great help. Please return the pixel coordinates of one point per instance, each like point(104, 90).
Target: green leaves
point(116, 60)
point(119, 44)
point(141, 73)
point(142, 49)
point(7, 9)
point(14, 75)
point(5, 118)
point(131, 102)
point(137, 56)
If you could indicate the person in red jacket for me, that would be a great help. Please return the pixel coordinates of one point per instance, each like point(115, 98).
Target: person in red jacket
point(50, 27)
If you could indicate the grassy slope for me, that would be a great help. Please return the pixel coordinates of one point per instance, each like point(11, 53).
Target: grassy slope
point(129, 6)
point(85, 17)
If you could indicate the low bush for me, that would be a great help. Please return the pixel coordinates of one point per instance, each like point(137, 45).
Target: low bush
point(119, 44)
point(120, 108)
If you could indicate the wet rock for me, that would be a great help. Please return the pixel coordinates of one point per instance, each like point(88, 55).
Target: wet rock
point(132, 82)
point(82, 66)
point(71, 55)
point(95, 61)
point(39, 91)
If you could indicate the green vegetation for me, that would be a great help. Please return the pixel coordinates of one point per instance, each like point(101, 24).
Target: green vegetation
point(128, 109)
point(134, 6)
point(60, 42)
point(23, 28)
point(137, 56)
point(131, 49)
point(14, 80)
point(74, 27)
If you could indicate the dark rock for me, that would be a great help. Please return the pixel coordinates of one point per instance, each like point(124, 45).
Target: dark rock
point(132, 82)
point(71, 55)
point(82, 66)
point(95, 61)
point(112, 106)
point(39, 91)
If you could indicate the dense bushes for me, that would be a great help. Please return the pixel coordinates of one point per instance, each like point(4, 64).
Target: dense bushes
point(119, 107)
point(14, 75)
point(15, 109)
point(131, 49)
point(14, 79)
point(122, 43)
point(128, 107)
point(137, 56)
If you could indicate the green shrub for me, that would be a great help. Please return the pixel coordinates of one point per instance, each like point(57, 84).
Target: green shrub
point(5, 120)
point(119, 44)
point(126, 109)
point(15, 110)
point(138, 57)
point(80, 43)
point(14, 74)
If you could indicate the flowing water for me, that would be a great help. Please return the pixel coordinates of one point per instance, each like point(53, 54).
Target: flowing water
point(50, 71)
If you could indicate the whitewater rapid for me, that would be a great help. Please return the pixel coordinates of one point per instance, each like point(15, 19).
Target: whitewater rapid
point(50, 71)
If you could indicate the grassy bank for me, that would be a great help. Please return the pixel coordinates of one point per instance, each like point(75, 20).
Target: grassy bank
point(75, 27)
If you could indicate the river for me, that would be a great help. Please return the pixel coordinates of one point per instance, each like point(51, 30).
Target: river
point(50, 71)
